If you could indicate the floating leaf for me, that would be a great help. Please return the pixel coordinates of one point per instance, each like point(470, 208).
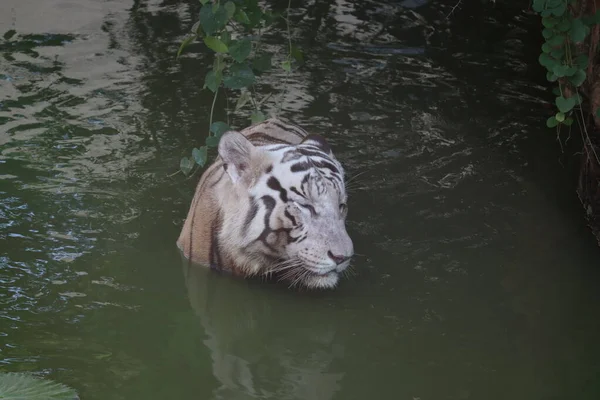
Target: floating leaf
point(212, 81)
point(200, 155)
point(219, 128)
point(189, 39)
point(565, 104)
point(9, 34)
point(578, 31)
point(215, 44)
point(25, 386)
point(286, 65)
point(560, 117)
point(186, 165)
point(240, 49)
point(240, 75)
point(262, 63)
point(230, 9)
point(210, 21)
point(551, 77)
point(568, 121)
point(551, 122)
point(204, 1)
point(257, 117)
point(578, 77)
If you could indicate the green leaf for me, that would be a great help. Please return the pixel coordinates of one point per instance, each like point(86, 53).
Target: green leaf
point(551, 122)
point(204, 1)
point(240, 49)
point(186, 165)
point(578, 31)
point(560, 117)
point(212, 81)
point(559, 9)
point(240, 76)
point(557, 40)
point(558, 53)
point(242, 100)
point(565, 104)
point(297, 54)
point(582, 61)
point(563, 25)
point(560, 70)
point(286, 65)
point(210, 21)
point(212, 141)
point(547, 33)
point(241, 17)
point(568, 121)
point(539, 5)
point(547, 61)
point(189, 39)
point(257, 117)
point(548, 22)
point(219, 63)
point(226, 37)
point(230, 9)
point(200, 155)
point(571, 71)
point(578, 77)
point(9, 34)
point(262, 63)
point(25, 386)
point(546, 48)
point(215, 44)
point(551, 77)
point(219, 128)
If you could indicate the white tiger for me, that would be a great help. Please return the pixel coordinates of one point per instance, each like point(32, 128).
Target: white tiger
point(272, 203)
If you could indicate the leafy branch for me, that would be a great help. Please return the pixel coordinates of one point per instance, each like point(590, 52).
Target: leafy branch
point(232, 30)
point(562, 54)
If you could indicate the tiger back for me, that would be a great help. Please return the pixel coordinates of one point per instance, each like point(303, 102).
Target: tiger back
point(272, 203)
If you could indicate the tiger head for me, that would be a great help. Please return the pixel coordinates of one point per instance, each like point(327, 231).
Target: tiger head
point(291, 209)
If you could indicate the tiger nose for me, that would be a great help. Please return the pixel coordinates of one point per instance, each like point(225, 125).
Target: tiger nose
point(336, 258)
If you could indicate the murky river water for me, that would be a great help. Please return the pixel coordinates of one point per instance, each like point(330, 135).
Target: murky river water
point(475, 279)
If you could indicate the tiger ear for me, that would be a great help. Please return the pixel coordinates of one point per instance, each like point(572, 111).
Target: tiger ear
point(318, 141)
point(236, 152)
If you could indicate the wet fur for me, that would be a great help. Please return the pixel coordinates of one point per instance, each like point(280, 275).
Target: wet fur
point(236, 219)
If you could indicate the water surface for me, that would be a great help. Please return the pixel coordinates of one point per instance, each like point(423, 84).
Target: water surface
point(475, 276)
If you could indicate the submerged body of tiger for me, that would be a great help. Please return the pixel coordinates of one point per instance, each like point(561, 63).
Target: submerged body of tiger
point(273, 202)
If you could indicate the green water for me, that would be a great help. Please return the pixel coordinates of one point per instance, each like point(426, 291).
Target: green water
point(475, 276)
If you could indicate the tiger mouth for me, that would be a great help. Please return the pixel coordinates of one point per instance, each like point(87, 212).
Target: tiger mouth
point(317, 273)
